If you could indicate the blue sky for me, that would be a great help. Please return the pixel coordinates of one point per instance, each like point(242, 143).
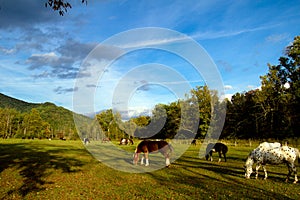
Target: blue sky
point(42, 54)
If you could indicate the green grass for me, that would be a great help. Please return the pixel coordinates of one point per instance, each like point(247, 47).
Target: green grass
point(42, 169)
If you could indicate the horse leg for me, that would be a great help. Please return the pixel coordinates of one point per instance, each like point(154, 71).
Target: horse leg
point(265, 170)
point(224, 156)
point(219, 156)
point(167, 159)
point(257, 168)
point(210, 154)
point(295, 173)
point(292, 168)
point(147, 158)
point(142, 160)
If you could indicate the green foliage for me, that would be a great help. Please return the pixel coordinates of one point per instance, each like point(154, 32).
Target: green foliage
point(28, 120)
point(61, 6)
point(274, 110)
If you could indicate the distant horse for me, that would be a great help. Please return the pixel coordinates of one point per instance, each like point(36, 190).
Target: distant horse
point(147, 147)
point(125, 141)
point(217, 147)
point(276, 155)
point(194, 142)
point(104, 140)
point(86, 140)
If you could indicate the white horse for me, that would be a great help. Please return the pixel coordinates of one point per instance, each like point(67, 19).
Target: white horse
point(268, 145)
point(278, 155)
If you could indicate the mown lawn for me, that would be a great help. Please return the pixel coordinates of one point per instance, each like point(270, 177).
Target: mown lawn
point(42, 169)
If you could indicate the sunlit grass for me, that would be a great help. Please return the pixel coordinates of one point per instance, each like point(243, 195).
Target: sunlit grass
point(42, 169)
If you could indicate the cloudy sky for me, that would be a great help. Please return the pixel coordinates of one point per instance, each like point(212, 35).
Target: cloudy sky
point(136, 53)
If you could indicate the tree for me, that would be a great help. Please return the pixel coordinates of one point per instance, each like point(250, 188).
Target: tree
point(203, 95)
point(280, 94)
point(105, 118)
point(272, 111)
point(8, 122)
point(33, 125)
point(61, 6)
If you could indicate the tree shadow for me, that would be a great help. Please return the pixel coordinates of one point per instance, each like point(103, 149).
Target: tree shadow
point(33, 164)
point(226, 178)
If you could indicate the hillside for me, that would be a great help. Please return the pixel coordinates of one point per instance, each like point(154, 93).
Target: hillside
point(61, 120)
point(19, 105)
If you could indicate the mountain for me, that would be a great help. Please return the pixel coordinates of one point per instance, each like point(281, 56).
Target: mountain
point(61, 120)
point(19, 105)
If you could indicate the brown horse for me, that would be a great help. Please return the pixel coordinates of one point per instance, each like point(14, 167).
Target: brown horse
point(106, 139)
point(148, 146)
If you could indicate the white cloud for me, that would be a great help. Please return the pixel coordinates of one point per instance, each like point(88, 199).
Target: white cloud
point(228, 87)
point(277, 37)
point(252, 87)
point(224, 34)
point(151, 42)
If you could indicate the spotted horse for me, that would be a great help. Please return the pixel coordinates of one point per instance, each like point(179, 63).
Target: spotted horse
point(276, 155)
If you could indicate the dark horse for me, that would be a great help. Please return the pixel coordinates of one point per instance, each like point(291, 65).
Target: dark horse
point(194, 142)
point(125, 141)
point(148, 146)
point(217, 147)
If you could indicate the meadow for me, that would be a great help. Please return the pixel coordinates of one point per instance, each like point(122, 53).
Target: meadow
point(43, 169)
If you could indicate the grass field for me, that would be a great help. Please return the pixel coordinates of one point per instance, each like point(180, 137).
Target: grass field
point(42, 169)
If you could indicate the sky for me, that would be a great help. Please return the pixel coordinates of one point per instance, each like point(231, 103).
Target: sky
point(135, 54)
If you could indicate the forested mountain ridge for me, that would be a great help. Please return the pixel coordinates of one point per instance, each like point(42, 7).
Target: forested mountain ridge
point(44, 120)
point(19, 105)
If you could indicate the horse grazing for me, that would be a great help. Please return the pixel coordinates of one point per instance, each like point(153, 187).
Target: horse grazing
point(106, 139)
point(148, 146)
point(276, 155)
point(194, 142)
point(125, 141)
point(217, 147)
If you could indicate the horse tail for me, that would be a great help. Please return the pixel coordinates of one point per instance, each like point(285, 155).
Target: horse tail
point(297, 154)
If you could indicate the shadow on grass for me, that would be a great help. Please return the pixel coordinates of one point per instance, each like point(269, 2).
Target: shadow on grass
point(218, 180)
point(34, 164)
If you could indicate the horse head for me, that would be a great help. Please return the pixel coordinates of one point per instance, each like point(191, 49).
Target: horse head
point(248, 167)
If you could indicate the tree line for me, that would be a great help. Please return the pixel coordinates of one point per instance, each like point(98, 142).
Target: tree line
point(271, 111)
point(42, 121)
